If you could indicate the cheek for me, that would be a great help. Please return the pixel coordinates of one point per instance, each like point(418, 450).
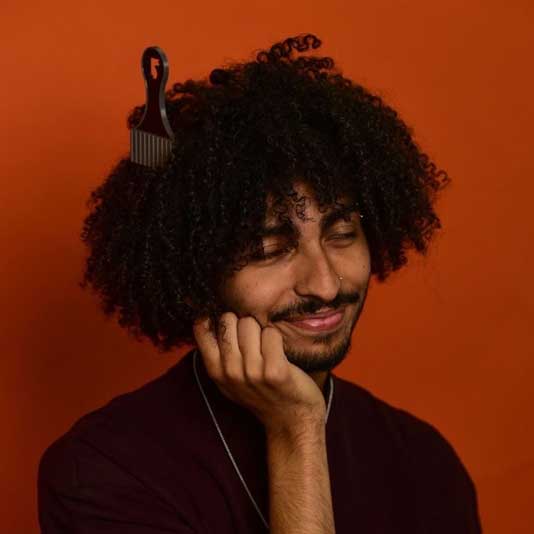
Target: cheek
point(262, 292)
point(363, 259)
point(256, 295)
point(359, 261)
point(365, 264)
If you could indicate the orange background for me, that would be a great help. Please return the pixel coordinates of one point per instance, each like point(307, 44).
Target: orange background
point(458, 349)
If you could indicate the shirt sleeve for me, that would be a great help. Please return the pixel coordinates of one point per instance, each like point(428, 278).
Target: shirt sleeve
point(446, 494)
point(109, 500)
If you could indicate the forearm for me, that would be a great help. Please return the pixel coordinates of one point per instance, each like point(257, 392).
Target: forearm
point(299, 481)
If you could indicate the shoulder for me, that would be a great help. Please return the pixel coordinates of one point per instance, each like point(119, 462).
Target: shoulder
point(57, 465)
point(428, 444)
point(73, 460)
point(112, 466)
point(409, 431)
point(102, 439)
point(445, 488)
point(446, 492)
point(82, 488)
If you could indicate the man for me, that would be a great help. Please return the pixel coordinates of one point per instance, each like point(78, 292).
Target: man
point(288, 187)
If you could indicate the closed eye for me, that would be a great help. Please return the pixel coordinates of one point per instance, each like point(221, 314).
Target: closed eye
point(266, 256)
point(269, 255)
point(344, 236)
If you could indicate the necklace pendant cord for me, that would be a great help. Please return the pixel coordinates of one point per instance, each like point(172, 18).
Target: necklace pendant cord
point(330, 395)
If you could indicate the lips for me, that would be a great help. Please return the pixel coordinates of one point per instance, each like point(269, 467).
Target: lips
point(320, 322)
point(317, 316)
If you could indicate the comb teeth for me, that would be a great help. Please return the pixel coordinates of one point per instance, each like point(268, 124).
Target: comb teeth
point(149, 149)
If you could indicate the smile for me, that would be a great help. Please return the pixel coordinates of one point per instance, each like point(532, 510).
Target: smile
point(320, 324)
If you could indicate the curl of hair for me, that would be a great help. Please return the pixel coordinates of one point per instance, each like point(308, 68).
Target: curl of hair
point(162, 241)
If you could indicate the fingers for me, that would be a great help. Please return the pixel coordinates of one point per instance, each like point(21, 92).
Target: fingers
point(275, 361)
point(249, 339)
point(209, 348)
point(231, 360)
point(242, 352)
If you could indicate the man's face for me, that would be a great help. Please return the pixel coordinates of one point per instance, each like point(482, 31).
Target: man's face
point(303, 280)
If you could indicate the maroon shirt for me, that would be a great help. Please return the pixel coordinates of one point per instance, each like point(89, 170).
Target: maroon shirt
point(152, 462)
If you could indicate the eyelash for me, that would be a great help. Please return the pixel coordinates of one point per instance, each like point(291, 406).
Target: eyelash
point(287, 249)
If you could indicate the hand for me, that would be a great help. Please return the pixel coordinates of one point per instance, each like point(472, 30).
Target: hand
point(248, 365)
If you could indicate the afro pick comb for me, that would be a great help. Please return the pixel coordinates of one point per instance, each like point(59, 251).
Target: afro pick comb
point(151, 140)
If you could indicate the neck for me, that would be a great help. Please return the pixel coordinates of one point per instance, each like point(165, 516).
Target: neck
point(320, 379)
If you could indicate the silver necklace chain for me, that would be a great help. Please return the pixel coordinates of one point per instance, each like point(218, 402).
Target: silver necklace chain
point(330, 395)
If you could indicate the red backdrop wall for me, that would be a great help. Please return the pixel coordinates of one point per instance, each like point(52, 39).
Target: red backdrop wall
point(459, 347)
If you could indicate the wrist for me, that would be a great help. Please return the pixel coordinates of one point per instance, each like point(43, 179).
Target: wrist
point(303, 430)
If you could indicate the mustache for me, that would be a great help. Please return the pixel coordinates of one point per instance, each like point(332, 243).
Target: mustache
point(313, 305)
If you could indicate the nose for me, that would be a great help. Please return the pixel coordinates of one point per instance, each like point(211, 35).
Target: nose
point(315, 275)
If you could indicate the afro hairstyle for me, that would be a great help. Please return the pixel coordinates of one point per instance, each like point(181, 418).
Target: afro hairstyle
point(162, 240)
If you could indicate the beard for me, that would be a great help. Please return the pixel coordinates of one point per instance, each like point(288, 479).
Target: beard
point(326, 360)
point(332, 354)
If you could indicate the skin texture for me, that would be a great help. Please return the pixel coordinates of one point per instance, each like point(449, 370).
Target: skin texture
point(260, 361)
point(300, 498)
point(256, 336)
point(303, 281)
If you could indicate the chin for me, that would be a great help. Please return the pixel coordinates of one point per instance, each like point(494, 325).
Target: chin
point(318, 359)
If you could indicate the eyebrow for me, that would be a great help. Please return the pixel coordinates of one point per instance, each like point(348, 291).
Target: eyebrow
point(287, 229)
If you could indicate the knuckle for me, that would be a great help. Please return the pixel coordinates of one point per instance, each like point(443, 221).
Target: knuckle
point(225, 321)
point(214, 373)
point(218, 379)
point(253, 375)
point(274, 375)
point(227, 317)
point(232, 374)
point(226, 342)
point(224, 337)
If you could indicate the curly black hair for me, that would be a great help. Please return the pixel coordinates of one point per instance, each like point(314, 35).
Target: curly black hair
point(162, 240)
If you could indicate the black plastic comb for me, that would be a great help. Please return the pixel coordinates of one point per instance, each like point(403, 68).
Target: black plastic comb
point(151, 140)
